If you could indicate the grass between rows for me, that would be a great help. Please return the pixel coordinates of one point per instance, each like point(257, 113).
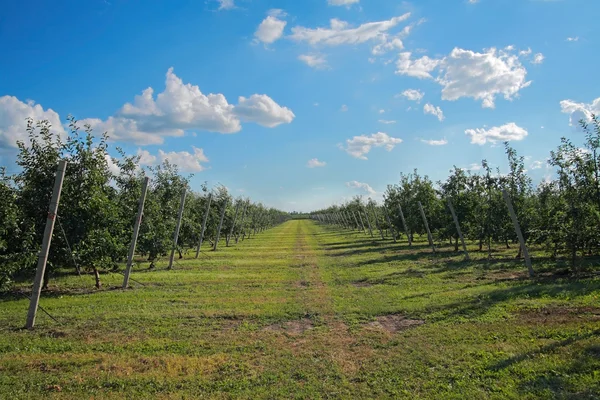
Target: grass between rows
point(289, 314)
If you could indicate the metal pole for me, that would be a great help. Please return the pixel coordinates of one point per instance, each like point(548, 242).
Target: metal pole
point(136, 231)
point(429, 237)
point(389, 221)
point(455, 218)
point(220, 224)
point(46, 240)
point(206, 213)
point(405, 226)
point(177, 227)
point(237, 208)
point(362, 224)
point(515, 221)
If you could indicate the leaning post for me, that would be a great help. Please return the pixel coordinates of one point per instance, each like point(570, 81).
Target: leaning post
point(429, 237)
point(389, 221)
point(177, 228)
point(206, 213)
point(237, 208)
point(515, 221)
point(405, 226)
point(34, 301)
point(136, 231)
point(220, 224)
point(455, 218)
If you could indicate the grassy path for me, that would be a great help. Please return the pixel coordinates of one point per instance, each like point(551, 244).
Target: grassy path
point(306, 311)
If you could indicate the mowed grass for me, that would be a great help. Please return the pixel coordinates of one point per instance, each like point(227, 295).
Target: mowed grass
point(290, 314)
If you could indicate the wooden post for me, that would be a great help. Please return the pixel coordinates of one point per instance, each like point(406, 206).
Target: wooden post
point(136, 231)
point(362, 224)
point(355, 221)
point(405, 226)
point(220, 224)
point(206, 213)
point(368, 223)
point(455, 218)
point(34, 301)
point(389, 221)
point(515, 221)
point(237, 235)
point(177, 228)
point(237, 208)
point(377, 221)
point(429, 237)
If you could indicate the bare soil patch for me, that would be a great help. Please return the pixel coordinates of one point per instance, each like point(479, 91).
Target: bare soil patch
point(561, 314)
point(394, 323)
point(295, 327)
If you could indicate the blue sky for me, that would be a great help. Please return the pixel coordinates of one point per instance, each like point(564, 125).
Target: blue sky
point(246, 92)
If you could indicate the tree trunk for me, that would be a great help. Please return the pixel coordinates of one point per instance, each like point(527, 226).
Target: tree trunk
point(97, 277)
point(46, 280)
point(455, 244)
point(180, 254)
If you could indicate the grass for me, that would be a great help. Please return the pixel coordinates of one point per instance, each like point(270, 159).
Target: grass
point(292, 313)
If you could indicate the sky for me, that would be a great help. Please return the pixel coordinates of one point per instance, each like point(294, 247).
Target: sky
point(304, 104)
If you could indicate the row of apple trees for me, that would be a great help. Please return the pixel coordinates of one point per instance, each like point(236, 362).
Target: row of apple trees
point(98, 207)
point(561, 214)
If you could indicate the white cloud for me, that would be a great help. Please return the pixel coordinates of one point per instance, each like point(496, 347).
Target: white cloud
point(474, 167)
point(573, 39)
point(420, 68)
point(261, 109)
point(226, 4)
point(271, 28)
point(340, 33)
point(431, 109)
point(466, 73)
point(387, 121)
point(13, 115)
point(112, 166)
point(538, 58)
point(316, 61)
point(432, 142)
point(341, 2)
point(382, 111)
point(579, 111)
point(361, 185)
point(186, 161)
point(183, 107)
point(394, 43)
point(358, 146)
point(507, 132)
point(537, 165)
point(314, 163)
point(473, 1)
point(344, 108)
point(412, 95)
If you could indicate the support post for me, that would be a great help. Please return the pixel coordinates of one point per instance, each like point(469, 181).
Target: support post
point(462, 239)
point(405, 226)
point(237, 208)
point(220, 224)
point(34, 301)
point(355, 221)
point(429, 237)
point(177, 228)
point(136, 231)
point(368, 223)
point(362, 224)
point(377, 222)
point(237, 235)
point(389, 221)
point(204, 220)
point(515, 221)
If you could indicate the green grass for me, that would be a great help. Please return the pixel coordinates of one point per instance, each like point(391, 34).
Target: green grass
point(289, 314)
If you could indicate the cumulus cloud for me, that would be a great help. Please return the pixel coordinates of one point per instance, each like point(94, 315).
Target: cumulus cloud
point(180, 107)
point(358, 146)
point(507, 132)
point(314, 163)
point(13, 115)
point(186, 161)
point(261, 109)
point(341, 2)
point(579, 111)
point(538, 58)
point(362, 186)
point(271, 28)
point(436, 111)
point(466, 73)
point(420, 68)
point(316, 61)
point(432, 142)
point(413, 95)
point(339, 32)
